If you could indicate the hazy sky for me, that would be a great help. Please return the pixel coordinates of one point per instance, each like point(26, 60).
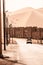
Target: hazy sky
point(12, 5)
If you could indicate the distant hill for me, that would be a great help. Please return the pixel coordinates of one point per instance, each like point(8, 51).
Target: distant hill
point(26, 17)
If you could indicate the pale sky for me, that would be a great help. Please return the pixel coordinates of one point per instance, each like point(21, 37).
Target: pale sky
point(13, 5)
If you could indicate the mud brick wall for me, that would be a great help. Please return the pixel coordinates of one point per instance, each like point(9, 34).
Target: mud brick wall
point(27, 32)
point(11, 32)
point(35, 33)
point(18, 32)
point(41, 33)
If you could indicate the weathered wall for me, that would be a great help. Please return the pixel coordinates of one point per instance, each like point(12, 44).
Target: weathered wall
point(18, 32)
point(26, 32)
point(35, 33)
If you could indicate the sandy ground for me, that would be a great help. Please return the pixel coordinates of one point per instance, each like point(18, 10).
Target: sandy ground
point(29, 54)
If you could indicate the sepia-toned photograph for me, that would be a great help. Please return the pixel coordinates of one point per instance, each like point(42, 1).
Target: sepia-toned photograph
point(21, 32)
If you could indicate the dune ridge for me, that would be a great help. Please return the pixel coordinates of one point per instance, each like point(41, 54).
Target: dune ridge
point(26, 17)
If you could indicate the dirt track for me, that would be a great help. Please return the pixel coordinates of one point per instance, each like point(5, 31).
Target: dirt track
point(29, 54)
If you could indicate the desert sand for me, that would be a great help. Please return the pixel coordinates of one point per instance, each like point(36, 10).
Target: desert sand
point(26, 17)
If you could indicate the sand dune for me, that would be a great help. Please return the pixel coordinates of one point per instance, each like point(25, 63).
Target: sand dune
point(40, 10)
point(26, 17)
point(36, 19)
point(27, 9)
